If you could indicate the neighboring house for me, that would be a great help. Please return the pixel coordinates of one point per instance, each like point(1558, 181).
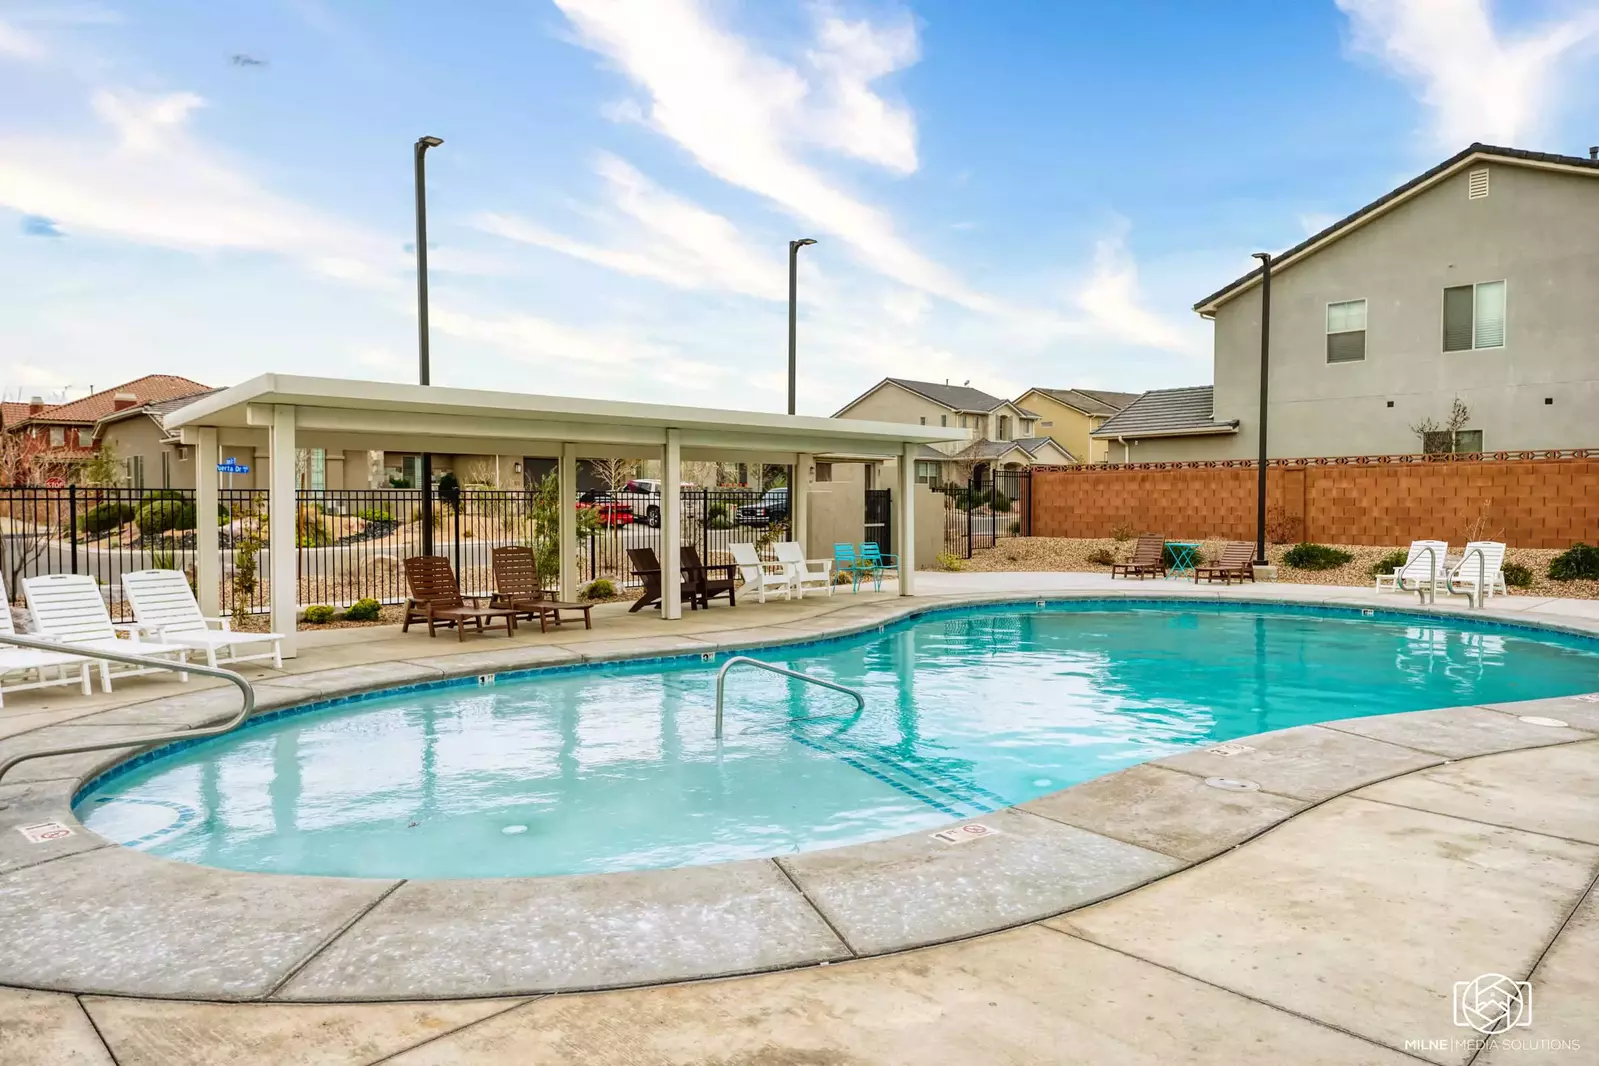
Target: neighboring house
point(150, 457)
point(68, 433)
point(1474, 281)
point(1166, 418)
point(1069, 417)
point(1002, 433)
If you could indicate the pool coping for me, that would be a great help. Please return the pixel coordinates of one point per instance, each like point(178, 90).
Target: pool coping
point(96, 917)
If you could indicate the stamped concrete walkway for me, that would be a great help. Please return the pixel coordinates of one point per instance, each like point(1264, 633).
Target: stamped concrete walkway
point(1335, 937)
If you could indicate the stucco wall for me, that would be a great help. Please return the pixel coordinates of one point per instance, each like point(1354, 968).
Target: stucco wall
point(140, 436)
point(837, 514)
point(1069, 427)
point(1537, 231)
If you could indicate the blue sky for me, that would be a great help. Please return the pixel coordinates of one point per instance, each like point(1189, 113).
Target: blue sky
point(1009, 193)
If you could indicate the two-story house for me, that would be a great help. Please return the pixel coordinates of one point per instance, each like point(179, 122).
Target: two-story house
point(1002, 434)
point(1070, 416)
point(1474, 282)
point(66, 435)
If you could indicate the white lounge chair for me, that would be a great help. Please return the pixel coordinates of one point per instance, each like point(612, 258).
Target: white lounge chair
point(69, 669)
point(1490, 569)
point(165, 609)
point(1422, 568)
point(67, 608)
point(805, 573)
point(762, 578)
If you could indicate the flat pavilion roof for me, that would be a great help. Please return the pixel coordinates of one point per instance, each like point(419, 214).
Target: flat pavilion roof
point(339, 414)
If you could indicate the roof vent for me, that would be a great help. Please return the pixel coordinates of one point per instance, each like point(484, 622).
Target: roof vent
point(1477, 185)
point(1593, 151)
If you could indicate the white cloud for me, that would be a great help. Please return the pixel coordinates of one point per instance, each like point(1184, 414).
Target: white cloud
point(1112, 300)
point(660, 236)
point(15, 44)
point(740, 113)
point(1313, 222)
point(1481, 85)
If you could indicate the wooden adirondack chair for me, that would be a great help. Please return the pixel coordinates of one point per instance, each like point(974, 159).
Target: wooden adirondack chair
point(517, 587)
point(647, 568)
point(707, 587)
point(1149, 559)
point(436, 599)
point(1237, 560)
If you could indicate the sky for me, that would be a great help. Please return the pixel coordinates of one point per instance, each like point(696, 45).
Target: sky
point(1012, 193)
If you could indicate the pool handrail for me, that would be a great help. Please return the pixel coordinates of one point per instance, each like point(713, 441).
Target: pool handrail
point(1474, 601)
point(721, 680)
point(1428, 588)
point(237, 720)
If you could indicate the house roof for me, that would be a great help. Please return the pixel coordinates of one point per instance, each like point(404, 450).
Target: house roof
point(12, 412)
point(1167, 413)
point(155, 409)
point(954, 397)
point(996, 449)
point(1476, 152)
point(1088, 401)
point(96, 405)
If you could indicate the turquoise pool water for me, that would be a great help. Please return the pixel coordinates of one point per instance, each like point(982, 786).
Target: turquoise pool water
point(616, 768)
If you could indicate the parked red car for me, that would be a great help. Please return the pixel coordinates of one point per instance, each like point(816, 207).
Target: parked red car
point(606, 509)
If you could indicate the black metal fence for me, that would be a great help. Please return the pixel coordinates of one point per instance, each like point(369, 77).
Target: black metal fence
point(986, 510)
point(352, 544)
point(880, 519)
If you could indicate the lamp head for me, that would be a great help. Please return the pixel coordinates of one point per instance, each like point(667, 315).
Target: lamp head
point(424, 143)
point(1264, 257)
point(802, 242)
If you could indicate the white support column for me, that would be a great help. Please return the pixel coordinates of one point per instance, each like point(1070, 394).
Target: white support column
point(207, 555)
point(672, 527)
point(567, 479)
point(905, 521)
point(799, 508)
point(281, 505)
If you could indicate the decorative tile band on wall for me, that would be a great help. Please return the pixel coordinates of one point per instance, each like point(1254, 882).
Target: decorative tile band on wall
point(1533, 499)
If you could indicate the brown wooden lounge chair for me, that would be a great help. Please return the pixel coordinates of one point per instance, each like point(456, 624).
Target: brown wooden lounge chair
point(517, 587)
point(647, 568)
point(1237, 560)
point(1149, 559)
point(436, 599)
point(707, 587)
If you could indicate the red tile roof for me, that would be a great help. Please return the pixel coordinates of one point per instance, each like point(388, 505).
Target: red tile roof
point(149, 389)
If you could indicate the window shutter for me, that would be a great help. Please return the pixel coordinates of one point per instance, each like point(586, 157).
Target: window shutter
point(1477, 185)
point(1490, 315)
point(1348, 347)
point(1457, 319)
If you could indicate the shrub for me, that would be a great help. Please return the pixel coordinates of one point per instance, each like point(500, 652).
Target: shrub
point(1016, 529)
point(365, 609)
point(1168, 556)
point(1102, 557)
point(1517, 576)
point(374, 514)
point(1390, 562)
point(950, 561)
point(599, 589)
point(719, 521)
point(1316, 557)
point(999, 501)
point(1578, 561)
point(162, 513)
point(107, 516)
point(319, 614)
point(715, 511)
point(1122, 532)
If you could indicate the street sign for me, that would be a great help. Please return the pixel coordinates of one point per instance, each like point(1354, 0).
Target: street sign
point(230, 465)
point(55, 482)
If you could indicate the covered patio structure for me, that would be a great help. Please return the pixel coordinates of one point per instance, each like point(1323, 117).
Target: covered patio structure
point(281, 413)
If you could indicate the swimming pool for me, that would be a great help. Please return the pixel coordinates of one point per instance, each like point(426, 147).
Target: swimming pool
point(615, 767)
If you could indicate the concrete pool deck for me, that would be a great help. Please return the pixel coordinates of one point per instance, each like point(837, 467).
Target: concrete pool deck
point(89, 917)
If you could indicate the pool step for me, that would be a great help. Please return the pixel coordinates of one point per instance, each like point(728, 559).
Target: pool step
point(911, 776)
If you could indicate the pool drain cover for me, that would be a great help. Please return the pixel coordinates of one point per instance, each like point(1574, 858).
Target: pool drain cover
point(1232, 784)
point(1534, 719)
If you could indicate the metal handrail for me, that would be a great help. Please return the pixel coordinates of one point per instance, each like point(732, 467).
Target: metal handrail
point(133, 660)
point(1430, 586)
point(721, 681)
point(1482, 578)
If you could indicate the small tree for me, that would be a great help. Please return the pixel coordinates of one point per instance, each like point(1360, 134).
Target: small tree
point(545, 539)
point(615, 473)
point(102, 471)
point(1441, 439)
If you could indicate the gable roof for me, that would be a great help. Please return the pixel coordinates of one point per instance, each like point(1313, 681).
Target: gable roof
point(1167, 413)
point(1476, 152)
point(96, 405)
point(156, 409)
point(954, 397)
point(1088, 401)
point(987, 450)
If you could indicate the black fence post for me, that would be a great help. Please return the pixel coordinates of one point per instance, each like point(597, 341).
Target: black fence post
point(72, 523)
point(971, 494)
point(457, 510)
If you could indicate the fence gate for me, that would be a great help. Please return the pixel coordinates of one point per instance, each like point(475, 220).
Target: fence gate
point(880, 519)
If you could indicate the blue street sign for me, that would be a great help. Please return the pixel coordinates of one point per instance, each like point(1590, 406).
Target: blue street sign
point(230, 465)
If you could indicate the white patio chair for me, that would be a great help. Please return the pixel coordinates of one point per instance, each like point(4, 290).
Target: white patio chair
point(165, 609)
point(1421, 568)
point(68, 608)
point(69, 669)
point(805, 573)
point(762, 578)
point(1491, 569)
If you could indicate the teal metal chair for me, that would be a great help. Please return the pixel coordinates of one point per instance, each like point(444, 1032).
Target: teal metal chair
point(845, 561)
point(879, 562)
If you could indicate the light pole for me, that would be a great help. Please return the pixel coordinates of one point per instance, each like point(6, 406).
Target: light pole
point(422, 145)
point(793, 289)
point(1265, 365)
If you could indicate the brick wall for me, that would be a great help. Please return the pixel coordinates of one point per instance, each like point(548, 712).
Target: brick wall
point(1527, 502)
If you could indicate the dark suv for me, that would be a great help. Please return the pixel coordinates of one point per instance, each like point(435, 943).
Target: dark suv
point(772, 507)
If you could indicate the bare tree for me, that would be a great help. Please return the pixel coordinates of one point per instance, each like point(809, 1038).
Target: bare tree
point(31, 521)
point(1444, 437)
point(615, 473)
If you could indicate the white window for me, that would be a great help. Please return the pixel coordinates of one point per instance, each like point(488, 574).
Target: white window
point(1346, 331)
point(926, 472)
point(58, 436)
point(1474, 316)
point(1004, 427)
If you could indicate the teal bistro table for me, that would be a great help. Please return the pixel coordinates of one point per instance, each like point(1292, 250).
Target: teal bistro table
point(1182, 557)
